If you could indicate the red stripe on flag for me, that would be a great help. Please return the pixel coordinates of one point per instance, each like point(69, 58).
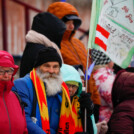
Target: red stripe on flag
point(102, 31)
point(100, 43)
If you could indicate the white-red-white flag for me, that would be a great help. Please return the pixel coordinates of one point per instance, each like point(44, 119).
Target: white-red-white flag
point(101, 37)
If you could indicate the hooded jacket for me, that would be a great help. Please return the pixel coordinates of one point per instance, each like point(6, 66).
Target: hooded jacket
point(47, 30)
point(69, 73)
point(122, 119)
point(72, 49)
point(12, 116)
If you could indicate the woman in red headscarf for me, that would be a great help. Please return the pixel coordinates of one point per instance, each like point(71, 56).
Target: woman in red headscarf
point(12, 116)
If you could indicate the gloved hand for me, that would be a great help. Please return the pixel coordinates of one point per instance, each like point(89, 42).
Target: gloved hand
point(86, 103)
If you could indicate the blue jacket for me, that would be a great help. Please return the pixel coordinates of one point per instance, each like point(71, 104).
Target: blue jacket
point(24, 87)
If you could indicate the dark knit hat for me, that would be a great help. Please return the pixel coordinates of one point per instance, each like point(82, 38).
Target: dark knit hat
point(49, 25)
point(99, 57)
point(76, 19)
point(47, 54)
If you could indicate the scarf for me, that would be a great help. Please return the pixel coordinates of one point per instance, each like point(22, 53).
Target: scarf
point(6, 86)
point(36, 37)
point(77, 119)
point(66, 121)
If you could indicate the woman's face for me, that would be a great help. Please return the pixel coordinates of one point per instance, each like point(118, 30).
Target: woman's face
point(6, 73)
point(70, 25)
point(72, 89)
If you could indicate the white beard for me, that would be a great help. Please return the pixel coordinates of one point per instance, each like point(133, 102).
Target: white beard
point(53, 82)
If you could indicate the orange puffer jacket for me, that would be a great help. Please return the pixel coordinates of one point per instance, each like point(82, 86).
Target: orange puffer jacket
point(72, 49)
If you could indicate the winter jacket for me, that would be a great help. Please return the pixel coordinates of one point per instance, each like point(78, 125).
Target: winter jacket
point(122, 119)
point(24, 87)
point(69, 73)
point(12, 116)
point(104, 79)
point(72, 49)
point(47, 30)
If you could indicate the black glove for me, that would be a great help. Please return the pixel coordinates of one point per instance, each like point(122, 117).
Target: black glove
point(86, 103)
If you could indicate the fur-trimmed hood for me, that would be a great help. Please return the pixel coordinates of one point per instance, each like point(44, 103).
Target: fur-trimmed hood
point(35, 37)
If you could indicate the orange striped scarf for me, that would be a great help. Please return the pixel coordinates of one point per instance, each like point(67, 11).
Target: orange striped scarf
point(66, 122)
point(77, 119)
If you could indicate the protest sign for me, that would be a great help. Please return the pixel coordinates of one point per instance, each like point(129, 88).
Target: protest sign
point(112, 29)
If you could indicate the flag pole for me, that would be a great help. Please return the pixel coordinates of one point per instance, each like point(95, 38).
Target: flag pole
point(87, 70)
point(85, 117)
point(89, 42)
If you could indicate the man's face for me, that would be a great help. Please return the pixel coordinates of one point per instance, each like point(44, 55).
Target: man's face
point(50, 67)
point(70, 25)
point(50, 74)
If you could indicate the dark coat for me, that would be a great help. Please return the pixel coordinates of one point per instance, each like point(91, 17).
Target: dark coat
point(52, 28)
point(122, 119)
point(29, 57)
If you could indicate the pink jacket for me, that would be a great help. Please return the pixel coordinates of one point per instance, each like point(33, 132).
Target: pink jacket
point(12, 117)
point(104, 79)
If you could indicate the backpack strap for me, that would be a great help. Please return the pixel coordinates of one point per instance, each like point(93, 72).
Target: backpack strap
point(22, 104)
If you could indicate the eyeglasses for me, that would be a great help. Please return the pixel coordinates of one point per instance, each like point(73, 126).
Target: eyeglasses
point(72, 86)
point(9, 72)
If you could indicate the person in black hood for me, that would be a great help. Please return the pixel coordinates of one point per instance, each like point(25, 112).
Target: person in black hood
point(47, 30)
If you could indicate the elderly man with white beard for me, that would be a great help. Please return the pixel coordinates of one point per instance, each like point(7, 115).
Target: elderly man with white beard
point(48, 107)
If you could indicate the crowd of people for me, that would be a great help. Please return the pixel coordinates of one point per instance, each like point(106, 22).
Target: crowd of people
point(50, 97)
